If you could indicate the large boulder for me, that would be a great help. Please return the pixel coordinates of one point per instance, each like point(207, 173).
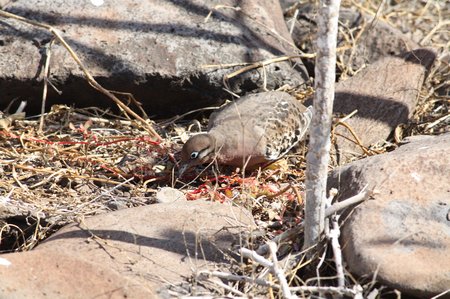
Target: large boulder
point(167, 53)
point(60, 274)
point(362, 38)
point(402, 236)
point(385, 95)
point(153, 248)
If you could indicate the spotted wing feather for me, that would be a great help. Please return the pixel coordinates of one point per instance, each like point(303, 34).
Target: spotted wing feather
point(287, 126)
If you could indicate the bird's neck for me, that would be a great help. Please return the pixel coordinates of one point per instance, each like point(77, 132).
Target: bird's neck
point(218, 141)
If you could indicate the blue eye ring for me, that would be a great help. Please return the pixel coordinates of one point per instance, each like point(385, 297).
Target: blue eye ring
point(194, 155)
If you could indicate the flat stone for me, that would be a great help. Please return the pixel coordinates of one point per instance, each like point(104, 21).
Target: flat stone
point(157, 245)
point(59, 274)
point(376, 39)
point(168, 195)
point(385, 89)
point(402, 236)
point(385, 95)
point(162, 53)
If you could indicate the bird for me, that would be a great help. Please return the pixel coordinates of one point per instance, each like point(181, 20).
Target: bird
point(250, 131)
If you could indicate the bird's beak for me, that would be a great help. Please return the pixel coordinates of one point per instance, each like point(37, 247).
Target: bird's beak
point(183, 168)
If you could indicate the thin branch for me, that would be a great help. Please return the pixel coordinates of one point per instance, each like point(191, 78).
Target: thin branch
point(337, 253)
point(247, 253)
point(339, 206)
point(319, 146)
point(242, 278)
point(330, 290)
point(278, 272)
point(48, 54)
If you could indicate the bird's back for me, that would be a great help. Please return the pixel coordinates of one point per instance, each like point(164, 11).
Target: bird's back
point(264, 125)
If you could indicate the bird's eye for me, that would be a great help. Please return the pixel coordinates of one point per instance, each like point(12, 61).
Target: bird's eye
point(194, 155)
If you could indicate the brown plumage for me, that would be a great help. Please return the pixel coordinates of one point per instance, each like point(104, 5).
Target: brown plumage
point(252, 130)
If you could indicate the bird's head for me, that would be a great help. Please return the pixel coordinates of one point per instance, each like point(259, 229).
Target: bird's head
point(199, 149)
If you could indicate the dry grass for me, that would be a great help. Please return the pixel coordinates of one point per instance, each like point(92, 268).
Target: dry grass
point(85, 162)
point(89, 161)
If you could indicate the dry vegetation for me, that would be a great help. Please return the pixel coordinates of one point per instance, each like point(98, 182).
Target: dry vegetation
point(89, 161)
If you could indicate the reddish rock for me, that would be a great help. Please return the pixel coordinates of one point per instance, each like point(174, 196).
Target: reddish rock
point(158, 51)
point(376, 39)
point(402, 236)
point(384, 94)
point(131, 253)
point(60, 274)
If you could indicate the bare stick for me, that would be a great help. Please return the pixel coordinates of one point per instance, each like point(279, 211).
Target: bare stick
point(48, 53)
point(233, 277)
point(339, 206)
point(319, 145)
point(330, 290)
point(247, 253)
point(294, 19)
point(226, 287)
point(337, 253)
point(286, 235)
point(278, 272)
point(441, 294)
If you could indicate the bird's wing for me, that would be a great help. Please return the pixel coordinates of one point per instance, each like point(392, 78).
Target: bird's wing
point(286, 128)
point(245, 110)
point(273, 122)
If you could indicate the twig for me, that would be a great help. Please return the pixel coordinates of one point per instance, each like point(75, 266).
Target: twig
point(7, 226)
point(361, 196)
point(337, 253)
point(348, 116)
point(175, 118)
point(439, 120)
point(356, 141)
point(330, 290)
point(285, 189)
point(259, 64)
point(441, 294)
point(286, 235)
point(227, 287)
point(246, 253)
point(21, 107)
point(242, 278)
point(16, 179)
point(320, 263)
point(294, 19)
point(433, 31)
point(48, 54)
point(277, 271)
point(5, 122)
point(46, 179)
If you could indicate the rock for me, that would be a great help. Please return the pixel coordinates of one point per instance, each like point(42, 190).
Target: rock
point(168, 195)
point(384, 94)
point(157, 245)
point(158, 52)
point(374, 40)
point(58, 274)
point(402, 237)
